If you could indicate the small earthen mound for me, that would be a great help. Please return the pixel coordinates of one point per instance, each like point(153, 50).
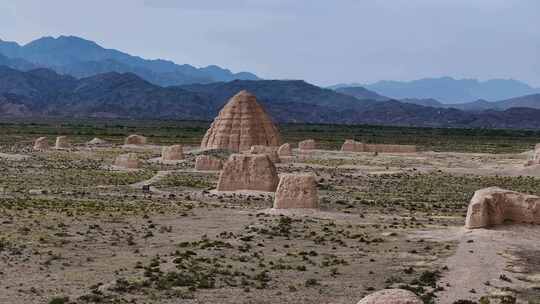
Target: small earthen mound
point(493, 206)
point(61, 142)
point(351, 145)
point(308, 144)
point(535, 159)
point(391, 296)
point(128, 161)
point(285, 150)
point(270, 151)
point(175, 152)
point(248, 172)
point(296, 191)
point(135, 139)
point(241, 123)
point(208, 163)
point(96, 142)
point(41, 144)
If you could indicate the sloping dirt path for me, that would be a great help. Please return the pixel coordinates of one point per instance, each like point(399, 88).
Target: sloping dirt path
point(490, 262)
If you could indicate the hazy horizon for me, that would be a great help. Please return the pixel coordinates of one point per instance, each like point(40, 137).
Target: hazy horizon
point(322, 43)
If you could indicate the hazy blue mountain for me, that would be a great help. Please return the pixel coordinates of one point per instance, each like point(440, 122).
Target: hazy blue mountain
point(475, 106)
point(277, 91)
point(40, 86)
point(450, 90)
point(361, 93)
point(9, 49)
point(344, 85)
point(428, 102)
point(82, 58)
point(16, 63)
point(528, 101)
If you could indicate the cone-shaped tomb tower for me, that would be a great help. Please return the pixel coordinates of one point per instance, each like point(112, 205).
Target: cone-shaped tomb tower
point(241, 123)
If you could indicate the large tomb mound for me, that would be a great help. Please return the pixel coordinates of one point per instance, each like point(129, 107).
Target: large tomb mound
point(208, 163)
point(41, 144)
point(270, 151)
point(351, 145)
point(308, 144)
point(285, 150)
point(135, 139)
point(174, 152)
point(241, 124)
point(493, 206)
point(296, 191)
point(128, 161)
point(61, 142)
point(248, 172)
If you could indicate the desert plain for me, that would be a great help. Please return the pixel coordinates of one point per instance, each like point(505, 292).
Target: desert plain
point(76, 229)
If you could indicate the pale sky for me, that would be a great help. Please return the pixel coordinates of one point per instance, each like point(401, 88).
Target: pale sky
point(322, 41)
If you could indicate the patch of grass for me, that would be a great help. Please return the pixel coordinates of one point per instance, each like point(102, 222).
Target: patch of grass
point(21, 132)
point(59, 300)
point(439, 193)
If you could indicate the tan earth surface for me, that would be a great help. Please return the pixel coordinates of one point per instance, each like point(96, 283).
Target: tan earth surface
point(73, 228)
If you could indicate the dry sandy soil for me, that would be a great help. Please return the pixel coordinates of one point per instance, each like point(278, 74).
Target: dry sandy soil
point(74, 231)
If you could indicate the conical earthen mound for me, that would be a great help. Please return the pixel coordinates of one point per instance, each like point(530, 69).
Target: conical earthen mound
point(241, 123)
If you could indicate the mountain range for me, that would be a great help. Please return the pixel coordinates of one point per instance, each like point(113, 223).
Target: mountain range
point(43, 92)
point(72, 77)
point(527, 101)
point(448, 90)
point(81, 58)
